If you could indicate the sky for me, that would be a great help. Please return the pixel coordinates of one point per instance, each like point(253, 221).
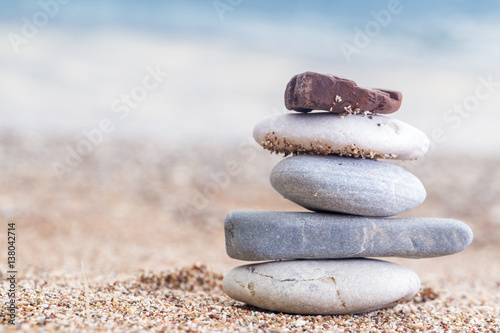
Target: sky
point(209, 70)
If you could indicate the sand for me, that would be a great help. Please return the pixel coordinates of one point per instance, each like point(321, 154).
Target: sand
point(146, 220)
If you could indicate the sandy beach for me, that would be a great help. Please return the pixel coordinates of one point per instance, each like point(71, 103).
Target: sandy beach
point(146, 220)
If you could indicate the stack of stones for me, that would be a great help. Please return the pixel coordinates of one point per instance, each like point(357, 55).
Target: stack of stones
point(317, 260)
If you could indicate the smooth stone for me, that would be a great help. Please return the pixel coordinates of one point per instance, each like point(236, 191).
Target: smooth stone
point(356, 135)
point(322, 287)
point(314, 91)
point(255, 236)
point(347, 185)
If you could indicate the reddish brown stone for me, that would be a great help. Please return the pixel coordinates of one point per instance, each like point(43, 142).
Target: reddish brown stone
point(314, 91)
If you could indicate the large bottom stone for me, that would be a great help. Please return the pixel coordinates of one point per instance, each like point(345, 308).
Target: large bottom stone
point(322, 287)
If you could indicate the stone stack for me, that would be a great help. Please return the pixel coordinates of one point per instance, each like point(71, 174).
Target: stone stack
point(317, 260)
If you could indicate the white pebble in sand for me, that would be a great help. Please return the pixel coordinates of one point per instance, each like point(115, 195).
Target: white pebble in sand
point(322, 287)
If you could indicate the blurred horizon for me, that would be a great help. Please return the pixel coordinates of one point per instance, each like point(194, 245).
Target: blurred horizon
point(228, 63)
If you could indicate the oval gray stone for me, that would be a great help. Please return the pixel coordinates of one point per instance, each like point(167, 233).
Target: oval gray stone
point(322, 287)
point(347, 185)
point(257, 236)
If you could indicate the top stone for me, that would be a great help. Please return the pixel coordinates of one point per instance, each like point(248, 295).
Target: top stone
point(314, 91)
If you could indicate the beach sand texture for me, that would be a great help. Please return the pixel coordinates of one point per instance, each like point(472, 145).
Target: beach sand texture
point(146, 219)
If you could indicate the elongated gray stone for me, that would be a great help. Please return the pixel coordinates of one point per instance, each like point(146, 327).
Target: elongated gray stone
point(255, 236)
point(347, 185)
point(322, 287)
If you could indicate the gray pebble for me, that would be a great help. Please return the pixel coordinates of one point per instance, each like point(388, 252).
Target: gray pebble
point(322, 287)
point(347, 185)
point(254, 236)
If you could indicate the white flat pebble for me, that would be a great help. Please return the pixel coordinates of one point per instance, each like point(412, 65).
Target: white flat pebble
point(370, 136)
point(322, 287)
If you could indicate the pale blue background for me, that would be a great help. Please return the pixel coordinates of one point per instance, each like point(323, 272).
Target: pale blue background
point(224, 75)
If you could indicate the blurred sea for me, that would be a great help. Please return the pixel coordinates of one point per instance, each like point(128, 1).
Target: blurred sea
point(228, 67)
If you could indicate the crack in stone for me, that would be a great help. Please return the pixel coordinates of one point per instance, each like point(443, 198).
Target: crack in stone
point(326, 278)
point(368, 234)
point(240, 283)
point(373, 233)
point(304, 242)
point(414, 245)
point(265, 275)
point(338, 292)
